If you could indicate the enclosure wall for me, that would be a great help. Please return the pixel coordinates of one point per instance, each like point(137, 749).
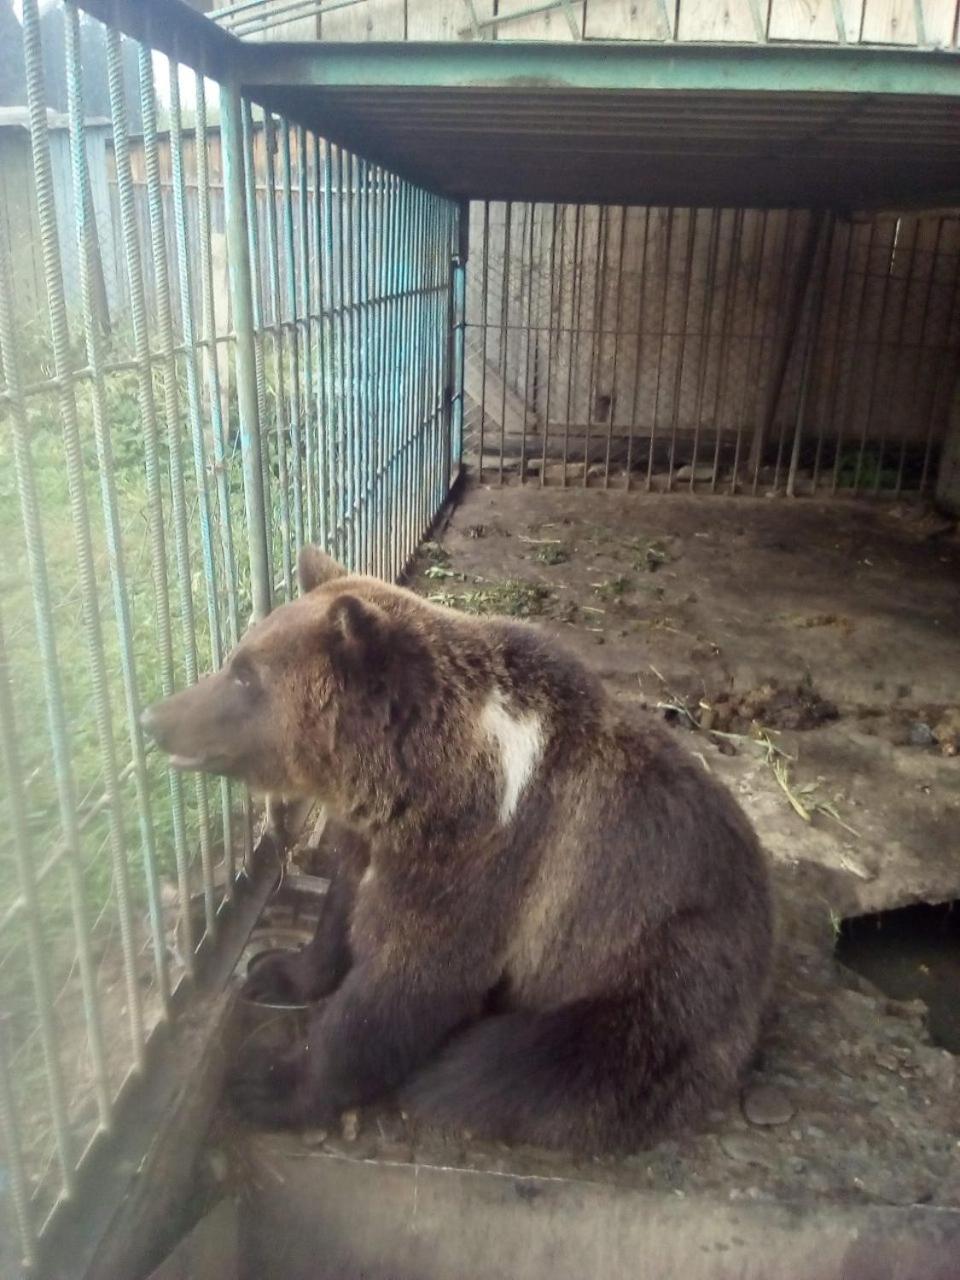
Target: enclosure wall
point(725, 347)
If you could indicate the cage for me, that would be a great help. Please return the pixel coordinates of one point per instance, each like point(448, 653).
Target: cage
point(315, 283)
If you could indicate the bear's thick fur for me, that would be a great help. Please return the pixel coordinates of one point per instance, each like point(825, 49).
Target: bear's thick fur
point(549, 925)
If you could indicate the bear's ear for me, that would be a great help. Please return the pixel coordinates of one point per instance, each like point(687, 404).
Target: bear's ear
point(315, 567)
point(361, 642)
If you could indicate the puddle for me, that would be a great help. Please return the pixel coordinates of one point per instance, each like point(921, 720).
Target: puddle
point(910, 953)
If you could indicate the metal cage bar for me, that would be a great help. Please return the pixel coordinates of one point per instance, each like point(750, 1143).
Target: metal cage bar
point(660, 344)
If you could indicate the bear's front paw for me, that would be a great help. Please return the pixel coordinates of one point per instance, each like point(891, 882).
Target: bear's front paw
point(277, 979)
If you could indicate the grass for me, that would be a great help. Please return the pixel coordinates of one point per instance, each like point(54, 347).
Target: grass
point(512, 599)
point(17, 997)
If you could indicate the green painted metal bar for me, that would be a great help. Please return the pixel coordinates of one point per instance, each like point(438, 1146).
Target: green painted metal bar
point(761, 239)
point(220, 460)
point(322, 407)
point(80, 517)
point(150, 434)
point(733, 271)
point(37, 946)
point(183, 246)
point(915, 377)
point(640, 347)
point(256, 299)
point(10, 1144)
point(358, 239)
point(290, 276)
point(333, 363)
point(87, 254)
point(681, 68)
point(346, 202)
point(280, 395)
point(241, 304)
point(306, 359)
point(160, 254)
point(391, 340)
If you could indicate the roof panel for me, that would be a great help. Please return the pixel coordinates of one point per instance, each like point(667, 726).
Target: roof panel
point(635, 125)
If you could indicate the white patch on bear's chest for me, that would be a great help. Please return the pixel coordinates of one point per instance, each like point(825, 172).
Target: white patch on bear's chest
point(519, 743)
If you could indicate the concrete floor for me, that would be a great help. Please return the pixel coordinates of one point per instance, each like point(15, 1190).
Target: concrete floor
point(688, 601)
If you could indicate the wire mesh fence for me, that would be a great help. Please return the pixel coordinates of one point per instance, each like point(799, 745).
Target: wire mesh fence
point(725, 349)
point(282, 369)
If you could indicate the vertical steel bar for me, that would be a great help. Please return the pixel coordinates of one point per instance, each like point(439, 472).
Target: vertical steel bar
point(831, 381)
point(13, 1156)
point(241, 306)
point(220, 460)
point(618, 327)
point(333, 365)
point(596, 331)
point(876, 363)
point(56, 715)
point(640, 348)
point(249, 175)
point(786, 333)
point(850, 387)
point(484, 302)
point(279, 345)
point(684, 335)
point(576, 319)
point(306, 362)
point(87, 251)
point(168, 365)
point(460, 305)
point(290, 258)
point(947, 362)
point(886, 409)
point(194, 416)
point(324, 529)
point(361, 360)
point(706, 316)
point(809, 351)
point(151, 444)
point(727, 321)
point(921, 343)
point(79, 513)
point(664, 299)
point(751, 340)
point(348, 231)
point(530, 211)
point(37, 941)
point(545, 431)
point(504, 330)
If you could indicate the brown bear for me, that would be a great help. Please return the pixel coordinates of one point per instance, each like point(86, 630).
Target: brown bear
point(550, 923)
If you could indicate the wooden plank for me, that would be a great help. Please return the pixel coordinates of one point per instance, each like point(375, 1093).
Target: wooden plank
point(369, 20)
point(734, 20)
point(630, 19)
point(562, 24)
point(889, 22)
point(826, 21)
point(443, 20)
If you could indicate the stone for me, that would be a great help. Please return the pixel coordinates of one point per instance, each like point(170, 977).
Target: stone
point(747, 1149)
point(921, 735)
point(763, 1104)
point(693, 473)
point(349, 1126)
point(937, 1065)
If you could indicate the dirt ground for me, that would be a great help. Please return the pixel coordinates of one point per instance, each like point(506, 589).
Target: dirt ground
point(809, 654)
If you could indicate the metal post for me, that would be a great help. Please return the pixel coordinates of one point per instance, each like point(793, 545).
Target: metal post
point(241, 305)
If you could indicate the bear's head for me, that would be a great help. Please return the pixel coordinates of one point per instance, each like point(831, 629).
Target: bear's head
point(314, 698)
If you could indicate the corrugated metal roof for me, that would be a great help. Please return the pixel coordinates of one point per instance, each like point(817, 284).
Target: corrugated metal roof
point(727, 135)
